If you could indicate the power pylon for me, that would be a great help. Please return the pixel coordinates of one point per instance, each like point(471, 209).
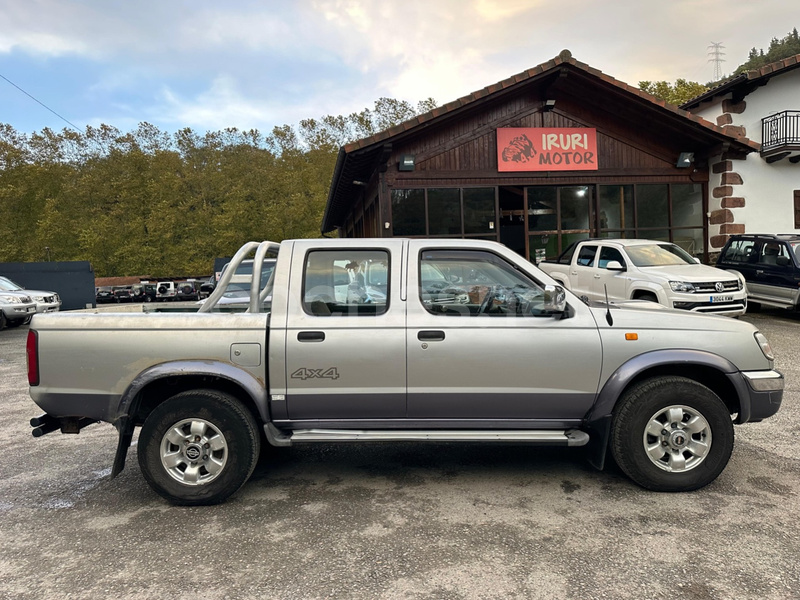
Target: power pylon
point(715, 51)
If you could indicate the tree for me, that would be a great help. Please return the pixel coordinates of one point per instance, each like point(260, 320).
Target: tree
point(682, 91)
point(152, 203)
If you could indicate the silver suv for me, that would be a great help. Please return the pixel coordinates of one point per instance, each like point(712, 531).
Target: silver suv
point(45, 301)
point(15, 308)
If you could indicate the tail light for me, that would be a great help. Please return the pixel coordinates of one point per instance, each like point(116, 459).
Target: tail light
point(32, 352)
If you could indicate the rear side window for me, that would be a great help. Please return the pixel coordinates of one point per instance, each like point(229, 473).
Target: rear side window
point(741, 251)
point(346, 283)
point(586, 256)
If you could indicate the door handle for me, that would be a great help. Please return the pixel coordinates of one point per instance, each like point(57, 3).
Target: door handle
point(430, 336)
point(759, 272)
point(311, 336)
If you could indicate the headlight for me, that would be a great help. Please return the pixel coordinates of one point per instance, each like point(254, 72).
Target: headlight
point(11, 299)
point(764, 345)
point(681, 286)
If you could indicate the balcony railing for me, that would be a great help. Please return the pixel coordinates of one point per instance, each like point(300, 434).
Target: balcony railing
point(780, 131)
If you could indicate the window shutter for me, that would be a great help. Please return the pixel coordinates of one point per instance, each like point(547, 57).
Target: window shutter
point(797, 209)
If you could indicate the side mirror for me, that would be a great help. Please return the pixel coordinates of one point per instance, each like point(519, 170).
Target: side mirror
point(696, 260)
point(615, 265)
point(555, 299)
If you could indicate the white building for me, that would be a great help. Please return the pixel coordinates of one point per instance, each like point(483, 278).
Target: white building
point(756, 192)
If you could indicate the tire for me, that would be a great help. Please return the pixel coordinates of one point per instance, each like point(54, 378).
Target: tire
point(197, 421)
point(753, 307)
point(3, 320)
point(649, 438)
point(14, 322)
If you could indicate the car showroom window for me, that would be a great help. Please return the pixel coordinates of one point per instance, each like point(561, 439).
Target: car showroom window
point(475, 283)
point(346, 282)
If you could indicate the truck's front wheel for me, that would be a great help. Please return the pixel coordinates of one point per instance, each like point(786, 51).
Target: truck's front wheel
point(198, 447)
point(672, 434)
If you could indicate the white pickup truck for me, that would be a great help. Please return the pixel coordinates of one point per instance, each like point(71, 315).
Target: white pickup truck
point(647, 270)
point(401, 340)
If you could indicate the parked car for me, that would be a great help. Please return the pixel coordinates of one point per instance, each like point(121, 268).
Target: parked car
point(165, 291)
point(207, 287)
point(16, 308)
point(144, 292)
point(769, 263)
point(104, 295)
point(187, 290)
point(45, 301)
point(123, 294)
point(622, 269)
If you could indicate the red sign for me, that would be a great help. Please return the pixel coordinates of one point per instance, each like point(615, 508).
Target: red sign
point(546, 149)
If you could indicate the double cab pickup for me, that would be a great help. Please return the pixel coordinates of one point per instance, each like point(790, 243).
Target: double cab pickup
point(621, 269)
point(414, 340)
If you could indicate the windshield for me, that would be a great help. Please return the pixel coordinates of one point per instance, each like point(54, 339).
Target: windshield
point(6, 285)
point(658, 255)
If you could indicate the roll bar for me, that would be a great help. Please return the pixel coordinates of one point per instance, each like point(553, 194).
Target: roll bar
point(257, 295)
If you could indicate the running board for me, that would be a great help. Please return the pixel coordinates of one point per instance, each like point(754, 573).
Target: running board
point(546, 437)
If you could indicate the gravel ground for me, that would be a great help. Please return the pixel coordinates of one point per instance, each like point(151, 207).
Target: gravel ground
point(399, 521)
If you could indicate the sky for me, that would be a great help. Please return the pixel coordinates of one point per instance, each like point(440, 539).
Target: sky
point(211, 65)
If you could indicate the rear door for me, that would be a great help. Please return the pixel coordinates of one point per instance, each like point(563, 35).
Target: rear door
point(345, 332)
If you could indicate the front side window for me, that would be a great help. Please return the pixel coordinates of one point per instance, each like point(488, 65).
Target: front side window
point(474, 283)
point(607, 255)
point(346, 282)
point(740, 251)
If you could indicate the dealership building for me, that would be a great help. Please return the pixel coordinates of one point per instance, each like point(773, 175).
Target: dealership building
point(558, 153)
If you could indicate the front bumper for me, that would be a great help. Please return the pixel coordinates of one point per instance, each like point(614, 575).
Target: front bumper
point(732, 305)
point(765, 389)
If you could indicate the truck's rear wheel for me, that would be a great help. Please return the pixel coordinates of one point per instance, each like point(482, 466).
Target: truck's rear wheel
point(672, 434)
point(198, 447)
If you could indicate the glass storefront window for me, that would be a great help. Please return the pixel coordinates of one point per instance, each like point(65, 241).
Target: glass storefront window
point(543, 208)
point(408, 212)
point(575, 208)
point(444, 211)
point(479, 213)
point(542, 246)
point(690, 240)
point(652, 208)
point(687, 205)
point(615, 207)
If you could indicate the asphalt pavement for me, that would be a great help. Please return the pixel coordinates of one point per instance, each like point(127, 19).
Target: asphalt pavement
point(399, 521)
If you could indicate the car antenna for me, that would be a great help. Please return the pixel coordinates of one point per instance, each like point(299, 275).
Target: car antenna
point(609, 318)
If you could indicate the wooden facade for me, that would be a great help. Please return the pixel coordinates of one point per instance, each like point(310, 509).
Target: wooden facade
point(454, 147)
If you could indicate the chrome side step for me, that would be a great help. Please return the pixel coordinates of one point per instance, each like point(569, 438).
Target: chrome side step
point(547, 437)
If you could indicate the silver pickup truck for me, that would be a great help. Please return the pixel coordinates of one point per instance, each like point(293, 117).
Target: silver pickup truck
point(397, 339)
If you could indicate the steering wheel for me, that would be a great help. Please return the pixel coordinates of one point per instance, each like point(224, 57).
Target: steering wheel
point(491, 294)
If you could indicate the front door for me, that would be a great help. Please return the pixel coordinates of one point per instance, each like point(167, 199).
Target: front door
point(480, 349)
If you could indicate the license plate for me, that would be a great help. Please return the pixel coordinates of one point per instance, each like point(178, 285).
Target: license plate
point(715, 299)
